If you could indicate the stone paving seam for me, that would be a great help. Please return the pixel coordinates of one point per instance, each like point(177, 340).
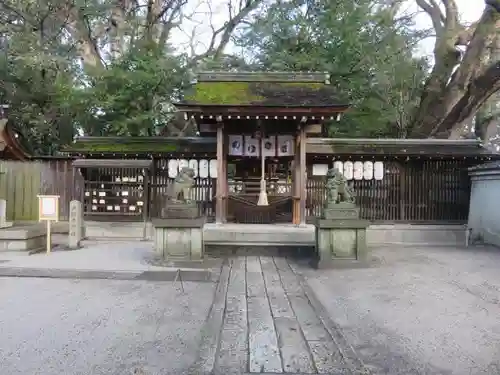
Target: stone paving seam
point(272, 315)
point(263, 340)
point(232, 355)
point(293, 311)
point(207, 352)
point(248, 320)
point(346, 349)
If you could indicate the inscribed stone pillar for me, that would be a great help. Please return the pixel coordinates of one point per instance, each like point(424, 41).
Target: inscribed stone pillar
point(75, 224)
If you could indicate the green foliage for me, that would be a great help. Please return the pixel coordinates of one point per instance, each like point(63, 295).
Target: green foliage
point(132, 96)
point(73, 72)
point(368, 54)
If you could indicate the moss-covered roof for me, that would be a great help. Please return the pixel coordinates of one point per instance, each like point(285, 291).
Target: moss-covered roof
point(315, 146)
point(275, 94)
point(276, 89)
point(139, 145)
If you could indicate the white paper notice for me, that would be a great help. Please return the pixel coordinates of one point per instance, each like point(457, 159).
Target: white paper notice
point(49, 206)
point(320, 169)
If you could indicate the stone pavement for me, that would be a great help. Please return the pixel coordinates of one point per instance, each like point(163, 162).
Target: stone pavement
point(266, 320)
point(123, 260)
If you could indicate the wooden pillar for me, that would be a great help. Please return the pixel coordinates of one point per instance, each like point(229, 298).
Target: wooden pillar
point(296, 182)
point(225, 183)
point(219, 209)
point(302, 179)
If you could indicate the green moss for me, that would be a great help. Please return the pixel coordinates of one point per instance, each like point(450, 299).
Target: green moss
point(122, 147)
point(242, 93)
point(223, 93)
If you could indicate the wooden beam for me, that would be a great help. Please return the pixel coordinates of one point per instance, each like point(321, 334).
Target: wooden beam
point(261, 111)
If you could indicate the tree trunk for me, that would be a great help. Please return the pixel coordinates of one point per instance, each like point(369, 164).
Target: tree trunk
point(458, 85)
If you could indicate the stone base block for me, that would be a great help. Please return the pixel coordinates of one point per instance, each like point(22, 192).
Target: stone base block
point(31, 238)
point(179, 239)
point(341, 243)
point(180, 211)
point(340, 211)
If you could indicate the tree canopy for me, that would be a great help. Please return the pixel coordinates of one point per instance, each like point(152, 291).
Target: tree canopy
point(107, 67)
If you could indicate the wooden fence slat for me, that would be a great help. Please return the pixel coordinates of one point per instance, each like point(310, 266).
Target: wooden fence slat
point(410, 191)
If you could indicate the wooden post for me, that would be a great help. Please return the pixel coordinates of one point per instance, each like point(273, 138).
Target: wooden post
point(302, 183)
point(220, 174)
point(225, 183)
point(296, 179)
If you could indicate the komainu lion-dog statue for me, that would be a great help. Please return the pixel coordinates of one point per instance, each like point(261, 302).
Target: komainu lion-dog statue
point(180, 190)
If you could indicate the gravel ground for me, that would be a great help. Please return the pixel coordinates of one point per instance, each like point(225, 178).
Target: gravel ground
point(55, 326)
point(419, 310)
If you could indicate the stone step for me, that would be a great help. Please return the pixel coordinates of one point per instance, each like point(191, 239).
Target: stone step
point(258, 234)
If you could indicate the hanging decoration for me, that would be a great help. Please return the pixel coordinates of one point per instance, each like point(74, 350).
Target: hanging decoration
point(269, 149)
point(252, 148)
point(285, 145)
point(236, 145)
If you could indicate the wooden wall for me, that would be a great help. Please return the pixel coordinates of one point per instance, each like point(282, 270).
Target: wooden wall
point(21, 182)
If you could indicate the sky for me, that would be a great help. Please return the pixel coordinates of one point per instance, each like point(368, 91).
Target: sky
point(470, 11)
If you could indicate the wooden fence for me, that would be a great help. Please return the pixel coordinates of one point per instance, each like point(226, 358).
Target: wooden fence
point(410, 191)
point(21, 182)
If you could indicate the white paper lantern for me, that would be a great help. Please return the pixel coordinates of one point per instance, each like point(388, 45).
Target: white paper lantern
point(378, 170)
point(358, 170)
point(193, 164)
point(204, 165)
point(173, 168)
point(339, 165)
point(183, 163)
point(213, 168)
point(348, 170)
point(368, 170)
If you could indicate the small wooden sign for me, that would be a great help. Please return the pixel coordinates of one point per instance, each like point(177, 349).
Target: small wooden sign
point(48, 211)
point(48, 208)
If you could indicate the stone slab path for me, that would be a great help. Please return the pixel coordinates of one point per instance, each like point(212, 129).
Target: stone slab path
point(265, 319)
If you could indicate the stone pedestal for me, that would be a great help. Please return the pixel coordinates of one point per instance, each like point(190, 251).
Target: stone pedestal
point(180, 211)
point(179, 239)
point(341, 237)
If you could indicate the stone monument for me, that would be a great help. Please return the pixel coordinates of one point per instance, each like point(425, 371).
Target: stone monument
point(178, 233)
point(340, 233)
point(76, 226)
